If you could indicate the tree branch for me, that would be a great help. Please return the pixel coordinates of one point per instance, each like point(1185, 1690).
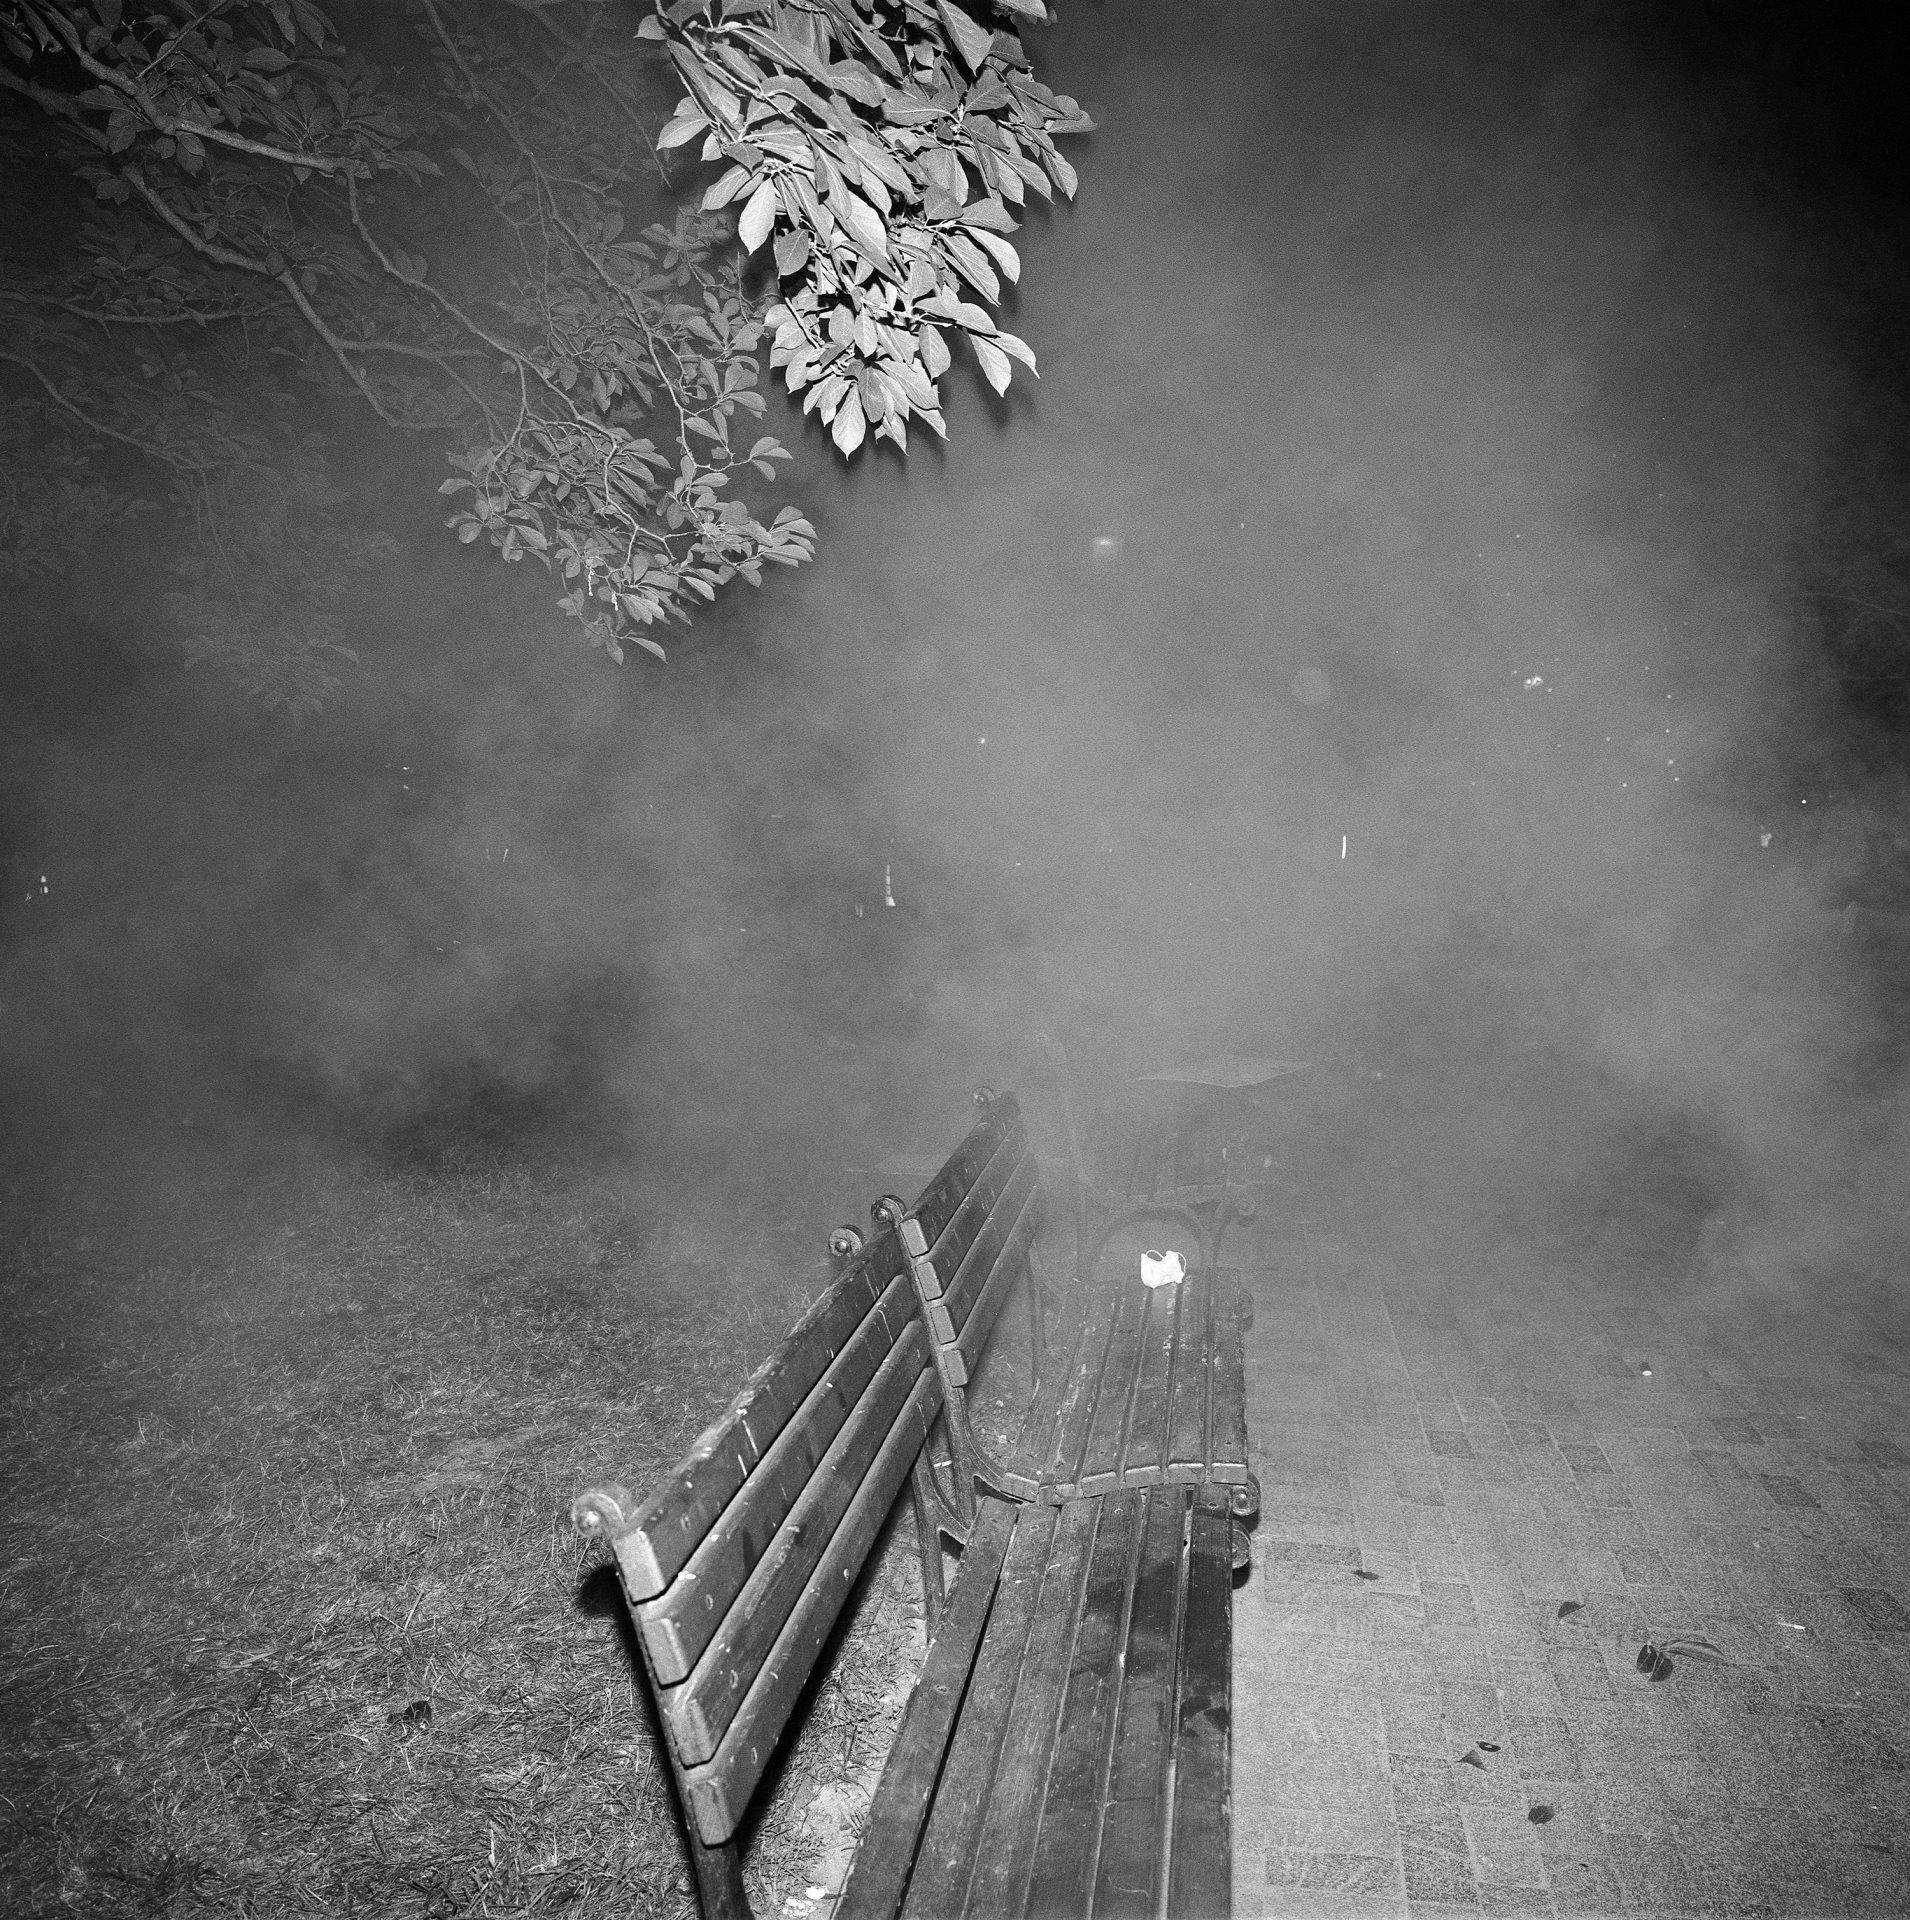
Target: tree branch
point(1852, 600)
point(581, 52)
point(129, 319)
point(228, 257)
point(92, 425)
point(172, 126)
point(445, 304)
point(61, 106)
point(480, 97)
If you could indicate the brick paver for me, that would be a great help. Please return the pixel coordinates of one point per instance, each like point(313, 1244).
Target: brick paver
point(1489, 1479)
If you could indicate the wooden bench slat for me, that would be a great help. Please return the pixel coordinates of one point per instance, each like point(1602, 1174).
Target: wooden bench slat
point(1083, 1385)
point(1106, 1443)
point(969, 1280)
point(1227, 1392)
point(1200, 1847)
point(939, 1256)
point(1135, 1820)
point(900, 1807)
point(680, 1622)
point(1144, 1459)
point(1004, 1271)
point(1189, 1414)
point(945, 1193)
point(699, 1711)
point(719, 1792)
point(939, 1886)
point(1032, 1452)
point(949, 1301)
point(1070, 1836)
point(666, 1530)
point(1005, 1853)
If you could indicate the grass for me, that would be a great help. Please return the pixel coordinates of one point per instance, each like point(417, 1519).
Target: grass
point(294, 1616)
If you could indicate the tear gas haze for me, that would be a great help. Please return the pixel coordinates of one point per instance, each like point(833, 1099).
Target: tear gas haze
point(1382, 638)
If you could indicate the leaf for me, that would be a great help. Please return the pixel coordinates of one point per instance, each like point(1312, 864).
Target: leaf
point(681, 130)
point(994, 362)
point(849, 426)
point(1653, 1662)
point(723, 190)
point(792, 251)
point(971, 41)
point(864, 223)
point(878, 160)
point(794, 51)
point(968, 257)
point(1697, 1647)
point(1005, 256)
point(909, 379)
point(854, 79)
point(758, 216)
point(990, 213)
point(947, 306)
point(650, 646)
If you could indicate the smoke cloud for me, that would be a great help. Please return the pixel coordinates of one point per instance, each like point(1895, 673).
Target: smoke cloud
point(1376, 640)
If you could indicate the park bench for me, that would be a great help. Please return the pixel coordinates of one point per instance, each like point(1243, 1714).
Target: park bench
point(1066, 1747)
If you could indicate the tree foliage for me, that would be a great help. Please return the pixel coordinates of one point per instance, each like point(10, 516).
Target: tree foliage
point(273, 214)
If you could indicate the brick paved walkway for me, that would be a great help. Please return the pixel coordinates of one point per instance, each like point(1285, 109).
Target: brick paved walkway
point(1479, 1506)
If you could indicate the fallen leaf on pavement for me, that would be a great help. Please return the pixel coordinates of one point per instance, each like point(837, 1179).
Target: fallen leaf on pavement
point(1653, 1662)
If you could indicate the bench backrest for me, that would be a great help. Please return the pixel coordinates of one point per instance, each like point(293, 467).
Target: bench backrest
point(968, 1238)
point(737, 1568)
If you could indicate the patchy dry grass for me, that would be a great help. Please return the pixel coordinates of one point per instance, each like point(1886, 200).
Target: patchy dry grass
point(294, 1619)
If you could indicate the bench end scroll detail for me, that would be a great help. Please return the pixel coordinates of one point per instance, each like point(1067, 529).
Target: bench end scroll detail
point(602, 1513)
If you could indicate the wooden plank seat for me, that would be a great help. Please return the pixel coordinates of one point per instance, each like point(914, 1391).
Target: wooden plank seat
point(1065, 1750)
point(1146, 1387)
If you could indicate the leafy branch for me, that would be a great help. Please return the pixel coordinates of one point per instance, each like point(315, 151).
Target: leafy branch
point(880, 148)
point(260, 188)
